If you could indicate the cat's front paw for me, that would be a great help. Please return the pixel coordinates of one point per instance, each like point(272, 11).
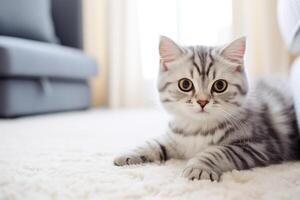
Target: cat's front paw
point(200, 173)
point(130, 159)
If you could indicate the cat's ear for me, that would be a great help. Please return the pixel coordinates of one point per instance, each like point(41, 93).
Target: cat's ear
point(168, 51)
point(235, 51)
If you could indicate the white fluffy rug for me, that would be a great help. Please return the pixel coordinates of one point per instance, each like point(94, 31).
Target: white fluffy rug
point(69, 156)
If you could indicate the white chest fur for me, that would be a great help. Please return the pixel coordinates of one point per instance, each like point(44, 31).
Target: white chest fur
point(189, 146)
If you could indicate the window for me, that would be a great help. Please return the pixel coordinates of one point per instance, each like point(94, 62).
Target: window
point(188, 22)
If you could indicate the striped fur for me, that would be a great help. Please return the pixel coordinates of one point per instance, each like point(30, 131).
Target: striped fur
point(241, 128)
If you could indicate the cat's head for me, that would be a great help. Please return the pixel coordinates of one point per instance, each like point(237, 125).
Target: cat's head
point(202, 83)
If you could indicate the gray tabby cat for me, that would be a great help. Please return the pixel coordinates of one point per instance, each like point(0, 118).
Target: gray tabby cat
point(218, 123)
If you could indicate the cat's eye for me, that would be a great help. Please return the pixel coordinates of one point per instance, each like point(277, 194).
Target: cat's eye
point(185, 84)
point(219, 86)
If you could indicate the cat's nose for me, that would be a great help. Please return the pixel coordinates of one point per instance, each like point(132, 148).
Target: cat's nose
point(202, 102)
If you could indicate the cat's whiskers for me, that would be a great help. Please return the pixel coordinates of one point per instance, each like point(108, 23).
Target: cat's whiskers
point(237, 122)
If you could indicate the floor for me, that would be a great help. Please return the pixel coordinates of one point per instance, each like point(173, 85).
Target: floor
point(69, 156)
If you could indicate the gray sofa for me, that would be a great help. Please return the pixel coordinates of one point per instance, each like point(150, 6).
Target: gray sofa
point(289, 23)
point(42, 65)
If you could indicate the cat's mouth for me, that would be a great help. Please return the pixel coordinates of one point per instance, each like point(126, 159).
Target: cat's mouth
point(202, 111)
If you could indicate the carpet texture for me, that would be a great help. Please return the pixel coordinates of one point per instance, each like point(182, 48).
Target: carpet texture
point(69, 156)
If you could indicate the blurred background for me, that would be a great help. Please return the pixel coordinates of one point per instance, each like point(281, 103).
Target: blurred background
point(123, 36)
point(58, 55)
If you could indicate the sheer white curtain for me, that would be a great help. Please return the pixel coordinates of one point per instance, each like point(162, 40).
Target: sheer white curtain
point(125, 72)
point(134, 28)
point(266, 52)
point(135, 25)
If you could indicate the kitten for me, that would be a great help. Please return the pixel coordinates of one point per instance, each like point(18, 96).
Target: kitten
point(218, 123)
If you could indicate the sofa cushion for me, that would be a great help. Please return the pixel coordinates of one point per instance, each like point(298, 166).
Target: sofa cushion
point(31, 19)
point(27, 58)
point(68, 25)
point(28, 96)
